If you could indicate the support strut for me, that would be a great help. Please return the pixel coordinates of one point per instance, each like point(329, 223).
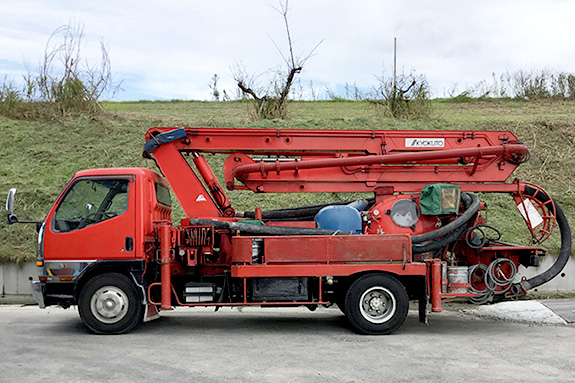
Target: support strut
point(166, 270)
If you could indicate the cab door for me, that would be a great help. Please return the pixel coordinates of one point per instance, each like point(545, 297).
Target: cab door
point(94, 220)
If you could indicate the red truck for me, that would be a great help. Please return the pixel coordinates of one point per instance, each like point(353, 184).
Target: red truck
point(108, 244)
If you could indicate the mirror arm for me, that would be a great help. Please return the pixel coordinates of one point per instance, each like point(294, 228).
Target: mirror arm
point(13, 219)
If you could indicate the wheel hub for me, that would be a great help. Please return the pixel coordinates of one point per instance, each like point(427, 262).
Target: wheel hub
point(109, 304)
point(377, 304)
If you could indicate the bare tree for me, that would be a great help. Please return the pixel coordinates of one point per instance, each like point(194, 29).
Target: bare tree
point(271, 101)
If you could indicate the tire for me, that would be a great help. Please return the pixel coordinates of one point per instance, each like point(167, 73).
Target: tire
point(110, 304)
point(376, 304)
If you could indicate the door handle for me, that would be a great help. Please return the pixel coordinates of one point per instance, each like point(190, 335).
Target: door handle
point(129, 244)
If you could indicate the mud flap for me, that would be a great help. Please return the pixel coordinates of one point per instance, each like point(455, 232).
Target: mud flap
point(423, 310)
point(151, 313)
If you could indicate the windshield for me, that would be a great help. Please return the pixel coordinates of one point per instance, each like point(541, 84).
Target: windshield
point(91, 201)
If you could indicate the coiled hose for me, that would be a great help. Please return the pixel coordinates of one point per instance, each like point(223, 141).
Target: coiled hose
point(520, 288)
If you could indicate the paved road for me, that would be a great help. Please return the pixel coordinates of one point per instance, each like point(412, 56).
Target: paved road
point(280, 345)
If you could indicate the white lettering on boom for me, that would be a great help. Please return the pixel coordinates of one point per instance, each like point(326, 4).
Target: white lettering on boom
point(425, 142)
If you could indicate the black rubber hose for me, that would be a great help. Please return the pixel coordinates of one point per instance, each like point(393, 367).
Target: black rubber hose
point(265, 230)
point(472, 204)
point(564, 252)
point(297, 213)
point(439, 243)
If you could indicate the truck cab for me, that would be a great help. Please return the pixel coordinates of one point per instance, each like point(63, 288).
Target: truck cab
point(102, 221)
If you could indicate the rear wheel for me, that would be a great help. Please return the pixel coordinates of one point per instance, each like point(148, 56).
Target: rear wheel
point(110, 304)
point(376, 304)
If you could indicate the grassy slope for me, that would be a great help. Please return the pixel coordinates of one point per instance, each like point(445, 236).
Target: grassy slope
point(40, 157)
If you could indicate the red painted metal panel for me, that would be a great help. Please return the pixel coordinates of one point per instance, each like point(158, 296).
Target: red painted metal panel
point(194, 198)
point(296, 249)
point(352, 248)
point(372, 248)
point(241, 249)
point(326, 249)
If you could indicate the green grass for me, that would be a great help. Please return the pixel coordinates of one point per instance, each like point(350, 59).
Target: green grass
point(40, 157)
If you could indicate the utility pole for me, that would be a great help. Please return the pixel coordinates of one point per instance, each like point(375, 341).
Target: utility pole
point(394, 67)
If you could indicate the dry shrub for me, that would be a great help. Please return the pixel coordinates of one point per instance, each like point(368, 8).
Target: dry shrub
point(522, 84)
point(406, 97)
point(64, 85)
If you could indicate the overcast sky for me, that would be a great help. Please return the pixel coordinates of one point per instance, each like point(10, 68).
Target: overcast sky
point(171, 49)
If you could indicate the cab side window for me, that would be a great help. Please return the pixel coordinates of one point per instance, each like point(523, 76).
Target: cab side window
point(91, 201)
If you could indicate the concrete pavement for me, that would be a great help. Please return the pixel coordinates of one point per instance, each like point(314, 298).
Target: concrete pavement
point(275, 345)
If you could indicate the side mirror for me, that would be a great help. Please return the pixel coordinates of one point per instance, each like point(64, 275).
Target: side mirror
point(10, 207)
point(10, 201)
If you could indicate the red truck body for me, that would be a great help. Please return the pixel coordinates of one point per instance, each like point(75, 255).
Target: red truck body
point(109, 246)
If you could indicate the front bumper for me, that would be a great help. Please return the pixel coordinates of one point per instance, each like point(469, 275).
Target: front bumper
point(53, 293)
point(38, 293)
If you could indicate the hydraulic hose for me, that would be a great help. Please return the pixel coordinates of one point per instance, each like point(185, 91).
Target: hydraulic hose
point(439, 243)
point(296, 213)
point(471, 202)
point(265, 230)
point(564, 253)
point(449, 232)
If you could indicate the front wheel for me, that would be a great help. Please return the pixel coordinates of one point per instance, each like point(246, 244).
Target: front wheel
point(376, 304)
point(110, 304)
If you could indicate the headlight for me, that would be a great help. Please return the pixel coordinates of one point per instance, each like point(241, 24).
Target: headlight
point(450, 199)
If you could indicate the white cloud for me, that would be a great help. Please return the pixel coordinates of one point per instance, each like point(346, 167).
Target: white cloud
point(171, 49)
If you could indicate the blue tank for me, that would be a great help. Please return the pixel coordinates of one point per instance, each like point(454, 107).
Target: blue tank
point(339, 217)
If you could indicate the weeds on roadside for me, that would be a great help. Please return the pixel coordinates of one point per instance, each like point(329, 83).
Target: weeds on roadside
point(521, 85)
point(64, 85)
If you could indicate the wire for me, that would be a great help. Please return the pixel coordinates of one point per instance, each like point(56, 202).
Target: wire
point(496, 281)
point(348, 171)
point(524, 159)
point(495, 277)
point(484, 238)
point(485, 295)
